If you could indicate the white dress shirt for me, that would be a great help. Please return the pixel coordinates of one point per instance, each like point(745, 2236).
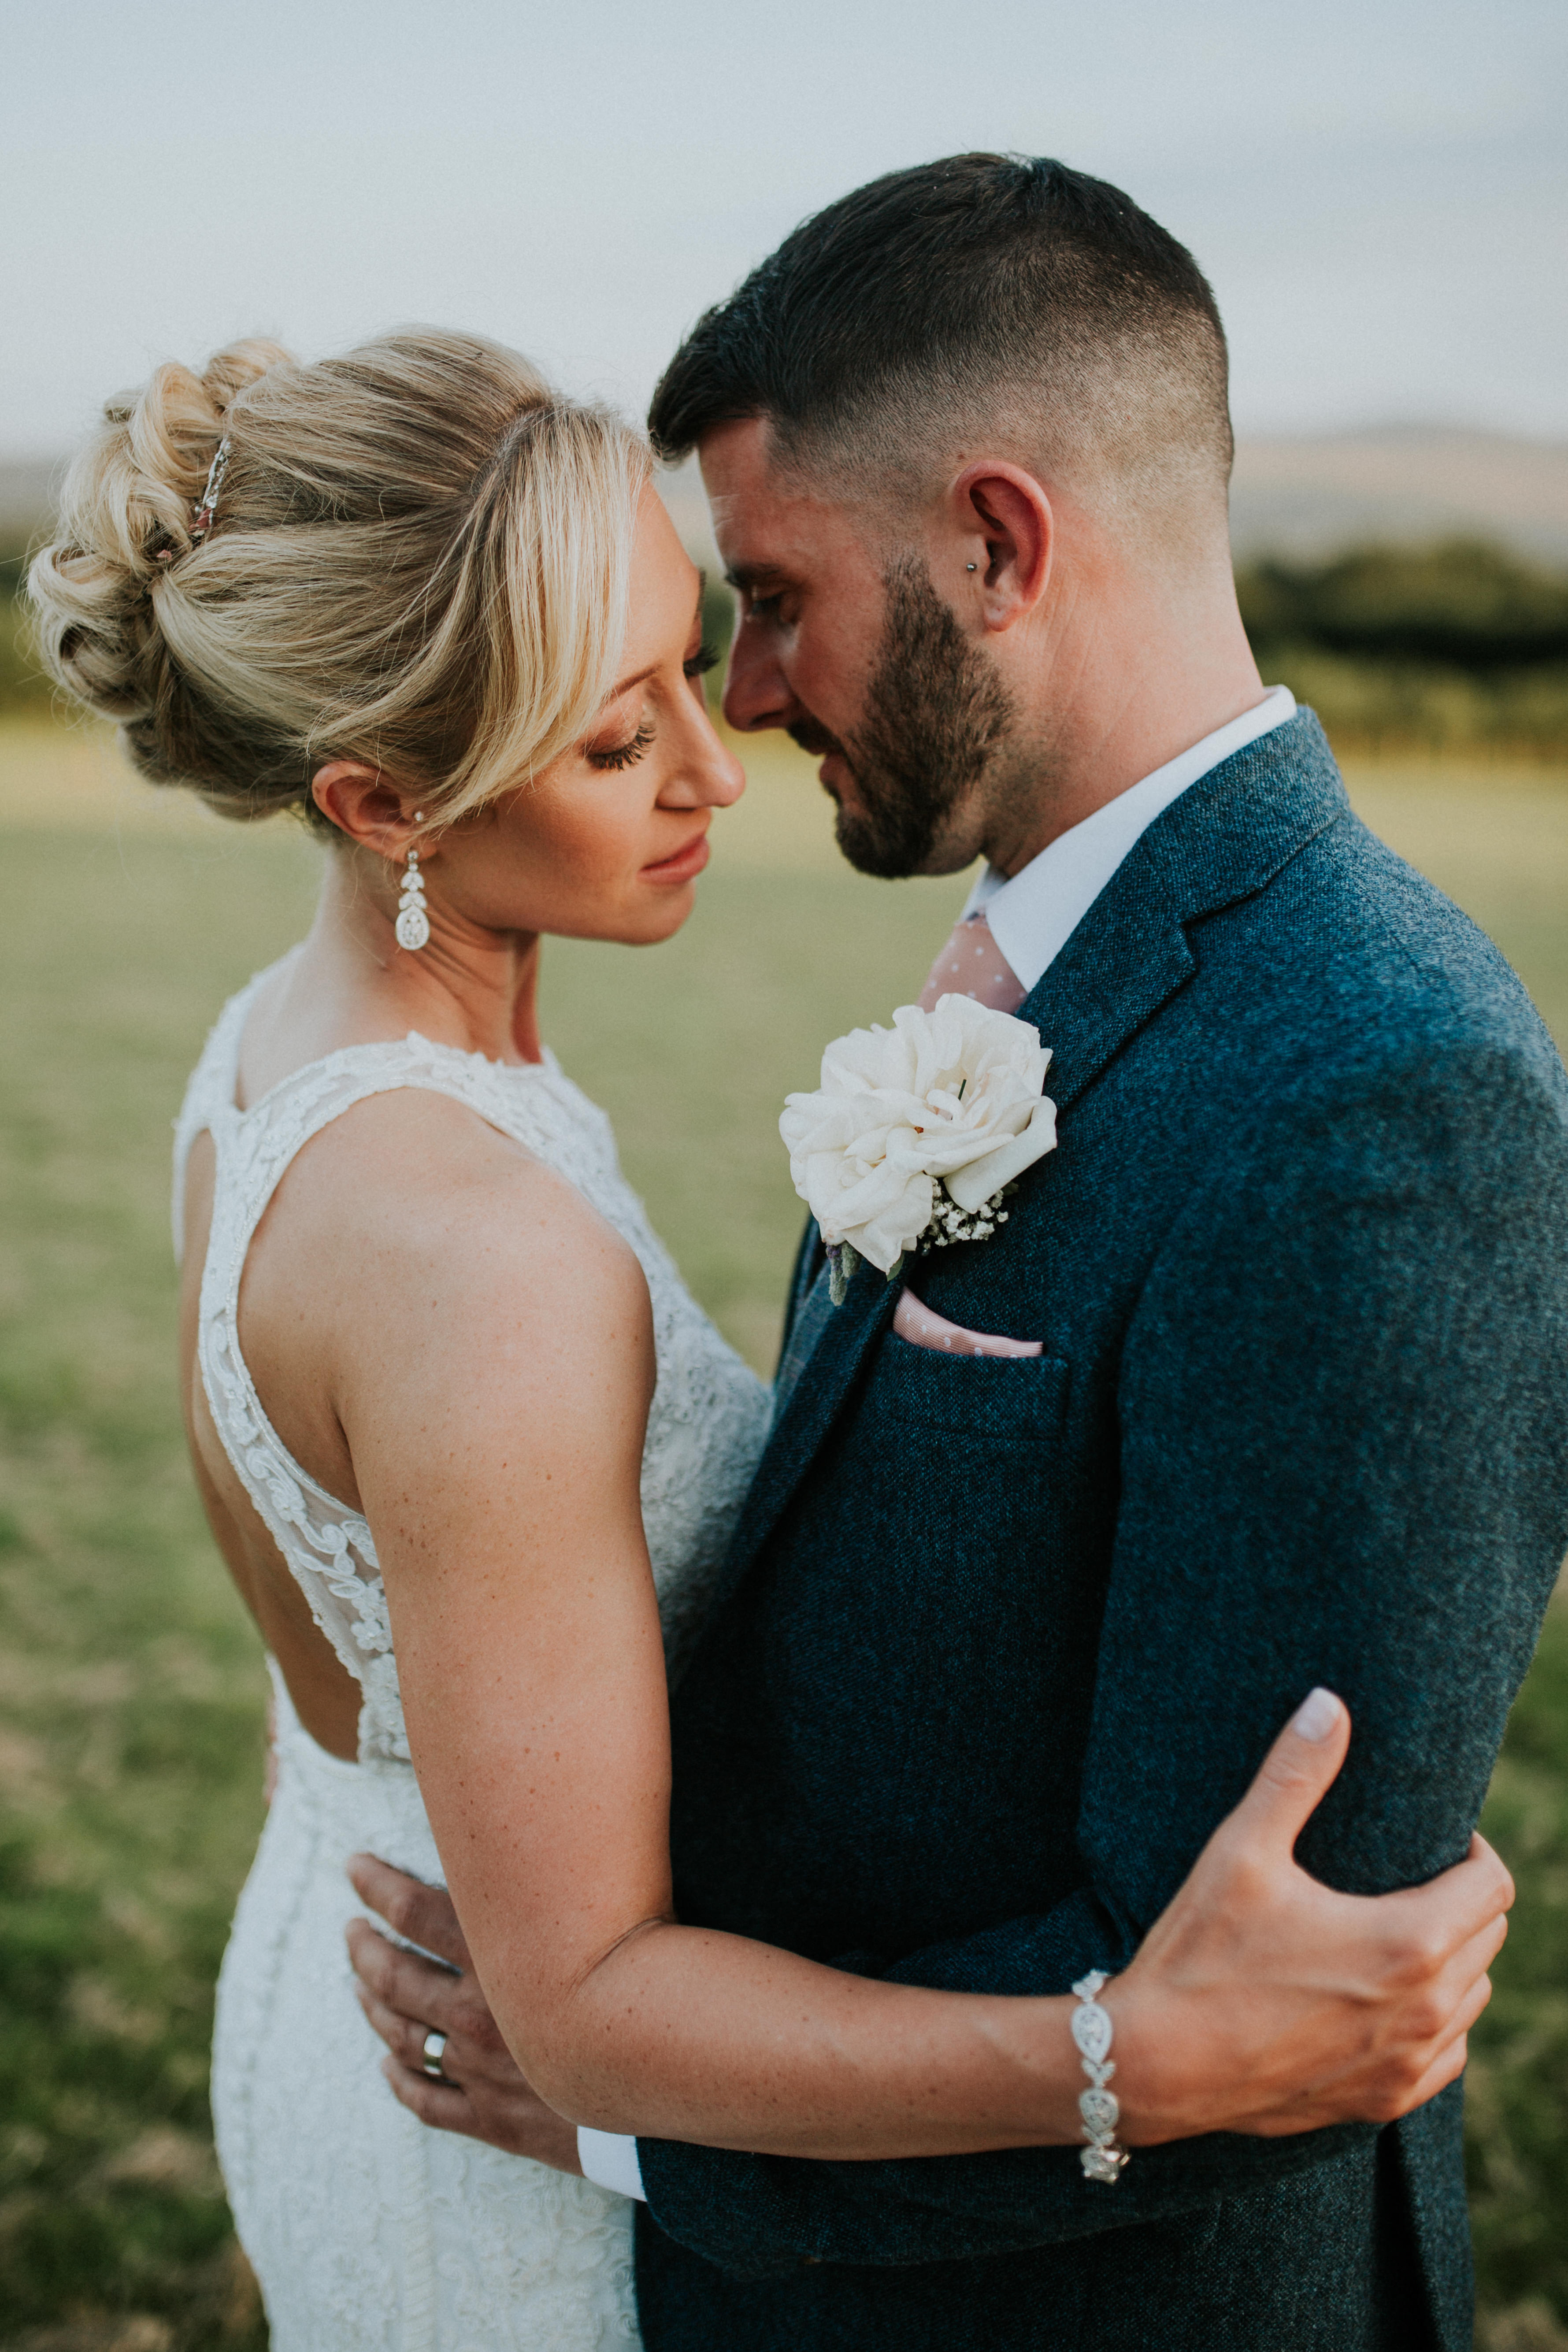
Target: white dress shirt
point(1032, 918)
point(609, 2159)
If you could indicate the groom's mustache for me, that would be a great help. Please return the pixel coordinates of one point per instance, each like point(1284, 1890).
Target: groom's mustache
point(815, 738)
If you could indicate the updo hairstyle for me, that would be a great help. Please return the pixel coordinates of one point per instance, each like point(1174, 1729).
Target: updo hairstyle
point(419, 558)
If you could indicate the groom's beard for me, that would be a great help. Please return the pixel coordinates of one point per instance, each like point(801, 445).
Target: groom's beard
point(936, 715)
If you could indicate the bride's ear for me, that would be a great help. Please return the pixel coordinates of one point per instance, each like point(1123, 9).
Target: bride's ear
point(365, 807)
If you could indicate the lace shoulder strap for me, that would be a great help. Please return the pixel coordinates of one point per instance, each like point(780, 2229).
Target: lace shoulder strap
point(255, 1146)
point(210, 1091)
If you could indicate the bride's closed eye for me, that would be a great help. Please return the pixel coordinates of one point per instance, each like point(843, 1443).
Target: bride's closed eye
point(623, 755)
point(614, 756)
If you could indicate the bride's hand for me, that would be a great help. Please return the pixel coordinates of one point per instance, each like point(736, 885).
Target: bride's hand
point(1263, 2001)
point(481, 2091)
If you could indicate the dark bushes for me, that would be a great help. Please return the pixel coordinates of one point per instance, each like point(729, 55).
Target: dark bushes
point(1456, 648)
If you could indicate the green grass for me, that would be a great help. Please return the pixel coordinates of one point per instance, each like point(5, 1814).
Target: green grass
point(131, 1692)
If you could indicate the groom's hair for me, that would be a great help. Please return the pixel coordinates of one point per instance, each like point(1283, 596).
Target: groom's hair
point(997, 296)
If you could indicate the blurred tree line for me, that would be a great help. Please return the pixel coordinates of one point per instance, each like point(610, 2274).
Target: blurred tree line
point(20, 684)
point(1461, 647)
point(1457, 648)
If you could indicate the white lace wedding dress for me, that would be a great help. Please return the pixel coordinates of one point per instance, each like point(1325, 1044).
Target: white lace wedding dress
point(369, 2232)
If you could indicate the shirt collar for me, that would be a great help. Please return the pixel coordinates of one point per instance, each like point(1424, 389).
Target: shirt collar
point(1033, 916)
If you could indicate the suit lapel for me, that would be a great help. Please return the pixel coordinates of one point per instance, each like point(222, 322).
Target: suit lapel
point(809, 1260)
point(807, 1414)
point(1226, 838)
point(1087, 1007)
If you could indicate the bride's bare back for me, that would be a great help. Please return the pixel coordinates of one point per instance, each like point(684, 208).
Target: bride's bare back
point(304, 1297)
point(325, 1695)
point(328, 1239)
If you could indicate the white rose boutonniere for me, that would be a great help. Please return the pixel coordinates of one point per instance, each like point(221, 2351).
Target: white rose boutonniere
point(916, 1131)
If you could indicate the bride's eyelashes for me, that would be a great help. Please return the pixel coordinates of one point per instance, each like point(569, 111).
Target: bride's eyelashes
point(627, 754)
point(624, 755)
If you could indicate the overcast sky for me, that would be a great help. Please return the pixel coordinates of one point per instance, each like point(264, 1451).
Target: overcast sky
point(1377, 188)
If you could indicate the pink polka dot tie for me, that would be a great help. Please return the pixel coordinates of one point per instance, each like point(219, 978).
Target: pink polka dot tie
point(972, 964)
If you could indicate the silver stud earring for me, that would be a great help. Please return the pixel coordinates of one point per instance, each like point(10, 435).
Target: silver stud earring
point(412, 922)
point(971, 567)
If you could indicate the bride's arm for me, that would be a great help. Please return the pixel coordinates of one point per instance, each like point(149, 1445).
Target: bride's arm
point(495, 1404)
point(497, 1440)
point(1266, 1987)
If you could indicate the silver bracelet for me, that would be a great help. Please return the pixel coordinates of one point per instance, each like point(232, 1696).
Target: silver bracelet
point(1092, 2030)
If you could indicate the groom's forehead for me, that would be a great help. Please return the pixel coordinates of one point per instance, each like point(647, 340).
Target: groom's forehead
point(766, 520)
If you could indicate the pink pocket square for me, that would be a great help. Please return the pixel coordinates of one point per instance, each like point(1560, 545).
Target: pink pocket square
point(923, 1329)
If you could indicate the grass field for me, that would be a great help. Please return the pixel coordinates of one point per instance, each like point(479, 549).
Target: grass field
point(130, 1693)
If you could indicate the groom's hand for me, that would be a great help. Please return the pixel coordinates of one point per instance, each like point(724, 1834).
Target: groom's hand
point(1277, 2005)
point(480, 2090)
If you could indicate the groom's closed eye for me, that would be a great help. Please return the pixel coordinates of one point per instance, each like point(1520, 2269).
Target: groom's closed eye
point(922, 1328)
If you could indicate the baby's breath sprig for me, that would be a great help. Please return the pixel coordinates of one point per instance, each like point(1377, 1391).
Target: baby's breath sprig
point(951, 1224)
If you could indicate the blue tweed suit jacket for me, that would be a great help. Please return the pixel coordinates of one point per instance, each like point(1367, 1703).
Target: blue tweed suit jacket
point(1000, 1640)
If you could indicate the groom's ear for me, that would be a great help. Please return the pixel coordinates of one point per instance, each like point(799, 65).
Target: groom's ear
point(1005, 536)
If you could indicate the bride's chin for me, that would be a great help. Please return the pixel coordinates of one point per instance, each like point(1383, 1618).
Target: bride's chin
point(661, 914)
point(665, 920)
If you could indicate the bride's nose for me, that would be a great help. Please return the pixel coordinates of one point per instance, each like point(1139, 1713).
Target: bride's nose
point(708, 776)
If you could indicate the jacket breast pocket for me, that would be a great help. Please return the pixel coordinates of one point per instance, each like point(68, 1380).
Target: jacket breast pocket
point(995, 1398)
point(935, 1550)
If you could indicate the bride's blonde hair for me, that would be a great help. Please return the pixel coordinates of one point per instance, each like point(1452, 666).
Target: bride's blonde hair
point(418, 557)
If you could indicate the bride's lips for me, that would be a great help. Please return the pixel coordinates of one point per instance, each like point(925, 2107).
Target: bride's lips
point(684, 865)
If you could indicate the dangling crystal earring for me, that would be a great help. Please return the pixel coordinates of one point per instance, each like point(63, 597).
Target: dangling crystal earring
point(412, 922)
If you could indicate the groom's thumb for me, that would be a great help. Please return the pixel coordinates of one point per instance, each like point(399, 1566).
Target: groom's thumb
point(1297, 1771)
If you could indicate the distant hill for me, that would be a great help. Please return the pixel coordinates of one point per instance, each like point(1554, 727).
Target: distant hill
point(25, 484)
point(1315, 495)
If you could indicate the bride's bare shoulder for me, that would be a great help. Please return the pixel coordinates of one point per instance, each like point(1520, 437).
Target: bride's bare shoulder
point(411, 1212)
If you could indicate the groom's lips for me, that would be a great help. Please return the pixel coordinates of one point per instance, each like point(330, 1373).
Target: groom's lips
point(684, 865)
point(836, 777)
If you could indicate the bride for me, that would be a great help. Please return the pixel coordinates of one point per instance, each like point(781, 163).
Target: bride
point(469, 1449)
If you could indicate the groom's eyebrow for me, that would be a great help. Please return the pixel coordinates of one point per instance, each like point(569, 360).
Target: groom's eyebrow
point(744, 577)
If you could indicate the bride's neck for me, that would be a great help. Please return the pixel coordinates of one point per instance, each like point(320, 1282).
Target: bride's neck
point(468, 987)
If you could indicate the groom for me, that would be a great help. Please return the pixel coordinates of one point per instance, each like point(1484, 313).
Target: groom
point(1003, 1635)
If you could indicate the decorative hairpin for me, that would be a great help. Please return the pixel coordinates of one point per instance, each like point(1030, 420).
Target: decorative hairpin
point(203, 522)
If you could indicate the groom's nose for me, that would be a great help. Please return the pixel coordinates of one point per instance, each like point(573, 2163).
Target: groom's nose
point(757, 694)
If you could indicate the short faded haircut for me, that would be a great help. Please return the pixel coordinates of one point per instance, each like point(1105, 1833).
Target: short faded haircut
point(997, 296)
